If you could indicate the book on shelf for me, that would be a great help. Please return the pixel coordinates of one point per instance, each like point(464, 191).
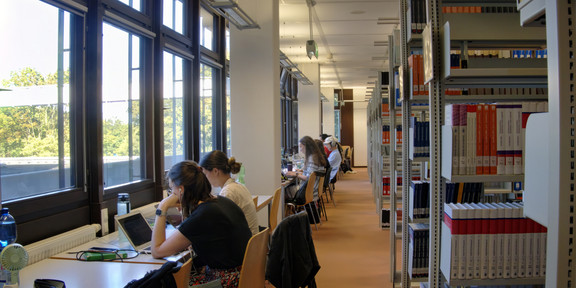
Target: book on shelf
point(418, 249)
point(493, 241)
point(488, 139)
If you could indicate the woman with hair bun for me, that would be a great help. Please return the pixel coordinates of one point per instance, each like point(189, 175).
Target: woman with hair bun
point(214, 226)
point(217, 167)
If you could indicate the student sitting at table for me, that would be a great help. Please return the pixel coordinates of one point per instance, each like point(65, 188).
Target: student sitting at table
point(217, 167)
point(335, 158)
point(314, 161)
point(214, 226)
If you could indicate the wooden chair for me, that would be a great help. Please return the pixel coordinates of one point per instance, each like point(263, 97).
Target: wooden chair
point(309, 198)
point(182, 276)
point(274, 210)
point(253, 270)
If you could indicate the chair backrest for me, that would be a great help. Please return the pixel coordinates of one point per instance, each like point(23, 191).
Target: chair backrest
point(253, 270)
point(349, 153)
point(310, 188)
point(182, 277)
point(327, 177)
point(274, 209)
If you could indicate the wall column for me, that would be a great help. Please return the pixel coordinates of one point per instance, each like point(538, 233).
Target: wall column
point(255, 97)
point(309, 108)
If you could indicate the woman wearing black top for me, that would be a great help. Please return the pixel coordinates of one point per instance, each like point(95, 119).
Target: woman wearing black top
point(215, 227)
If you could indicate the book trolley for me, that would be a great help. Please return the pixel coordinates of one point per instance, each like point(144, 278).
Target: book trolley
point(451, 29)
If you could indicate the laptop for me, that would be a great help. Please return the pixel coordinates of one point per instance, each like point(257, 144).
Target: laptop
point(139, 233)
point(137, 230)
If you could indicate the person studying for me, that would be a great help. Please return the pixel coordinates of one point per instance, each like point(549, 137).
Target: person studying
point(214, 226)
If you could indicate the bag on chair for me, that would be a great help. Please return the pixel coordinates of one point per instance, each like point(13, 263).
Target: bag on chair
point(300, 196)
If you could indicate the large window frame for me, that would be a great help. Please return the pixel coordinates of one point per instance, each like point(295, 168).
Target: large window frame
point(50, 214)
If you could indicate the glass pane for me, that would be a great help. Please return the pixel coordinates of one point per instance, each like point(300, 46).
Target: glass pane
point(207, 74)
point(135, 4)
point(34, 110)
point(121, 107)
point(227, 44)
point(228, 147)
point(174, 15)
point(206, 29)
point(173, 110)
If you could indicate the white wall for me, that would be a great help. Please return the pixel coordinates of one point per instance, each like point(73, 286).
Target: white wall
point(309, 108)
point(328, 111)
point(360, 129)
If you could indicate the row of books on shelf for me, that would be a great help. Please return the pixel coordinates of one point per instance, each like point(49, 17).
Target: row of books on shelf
point(456, 56)
point(419, 234)
point(493, 241)
point(468, 192)
point(421, 138)
point(386, 134)
point(479, 9)
point(488, 139)
point(455, 193)
point(420, 199)
point(386, 183)
point(487, 91)
point(386, 217)
point(416, 64)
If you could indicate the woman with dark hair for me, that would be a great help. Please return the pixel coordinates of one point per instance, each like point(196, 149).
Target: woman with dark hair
point(313, 159)
point(217, 167)
point(214, 226)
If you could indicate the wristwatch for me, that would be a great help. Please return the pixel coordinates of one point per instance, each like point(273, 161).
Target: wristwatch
point(160, 213)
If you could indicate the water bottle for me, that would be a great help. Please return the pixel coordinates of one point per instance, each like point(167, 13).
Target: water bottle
point(7, 228)
point(123, 203)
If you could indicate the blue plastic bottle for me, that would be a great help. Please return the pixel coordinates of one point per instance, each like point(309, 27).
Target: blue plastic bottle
point(7, 228)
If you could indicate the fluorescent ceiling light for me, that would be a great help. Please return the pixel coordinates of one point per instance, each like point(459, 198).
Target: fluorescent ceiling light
point(230, 10)
point(293, 69)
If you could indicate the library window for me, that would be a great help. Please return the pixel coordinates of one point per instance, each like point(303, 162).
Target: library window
point(228, 131)
point(173, 17)
point(207, 29)
point(134, 4)
point(35, 107)
point(208, 119)
point(122, 126)
point(173, 109)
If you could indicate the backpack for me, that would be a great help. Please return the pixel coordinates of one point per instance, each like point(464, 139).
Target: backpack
point(159, 278)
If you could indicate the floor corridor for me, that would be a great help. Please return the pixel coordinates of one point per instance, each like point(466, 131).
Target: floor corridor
point(352, 249)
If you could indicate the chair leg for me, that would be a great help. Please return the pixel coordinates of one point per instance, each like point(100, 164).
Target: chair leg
point(313, 216)
point(323, 207)
point(331, 190)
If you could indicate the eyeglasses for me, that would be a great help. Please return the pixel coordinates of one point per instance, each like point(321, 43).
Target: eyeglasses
point(49, 283)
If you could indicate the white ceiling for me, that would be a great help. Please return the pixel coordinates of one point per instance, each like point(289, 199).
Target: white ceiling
point(344, 29)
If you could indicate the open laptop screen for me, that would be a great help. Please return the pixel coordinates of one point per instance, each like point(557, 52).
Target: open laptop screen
point(136, 228)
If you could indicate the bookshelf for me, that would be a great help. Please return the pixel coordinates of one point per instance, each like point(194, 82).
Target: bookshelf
point(482, 32)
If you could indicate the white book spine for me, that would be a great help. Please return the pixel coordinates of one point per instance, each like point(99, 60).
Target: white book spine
point(543, 243)
point(483, 251)
point(463, 247)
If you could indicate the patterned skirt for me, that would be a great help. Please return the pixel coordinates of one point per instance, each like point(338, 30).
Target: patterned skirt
point(229, 278)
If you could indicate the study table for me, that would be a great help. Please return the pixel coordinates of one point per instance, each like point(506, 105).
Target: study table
point(112, 240)
point(84, 274)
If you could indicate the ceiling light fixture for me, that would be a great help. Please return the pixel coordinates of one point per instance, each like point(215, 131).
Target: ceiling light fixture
point(292, 68)
point(311, 46)
point(230, 10)
point(380, 43)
